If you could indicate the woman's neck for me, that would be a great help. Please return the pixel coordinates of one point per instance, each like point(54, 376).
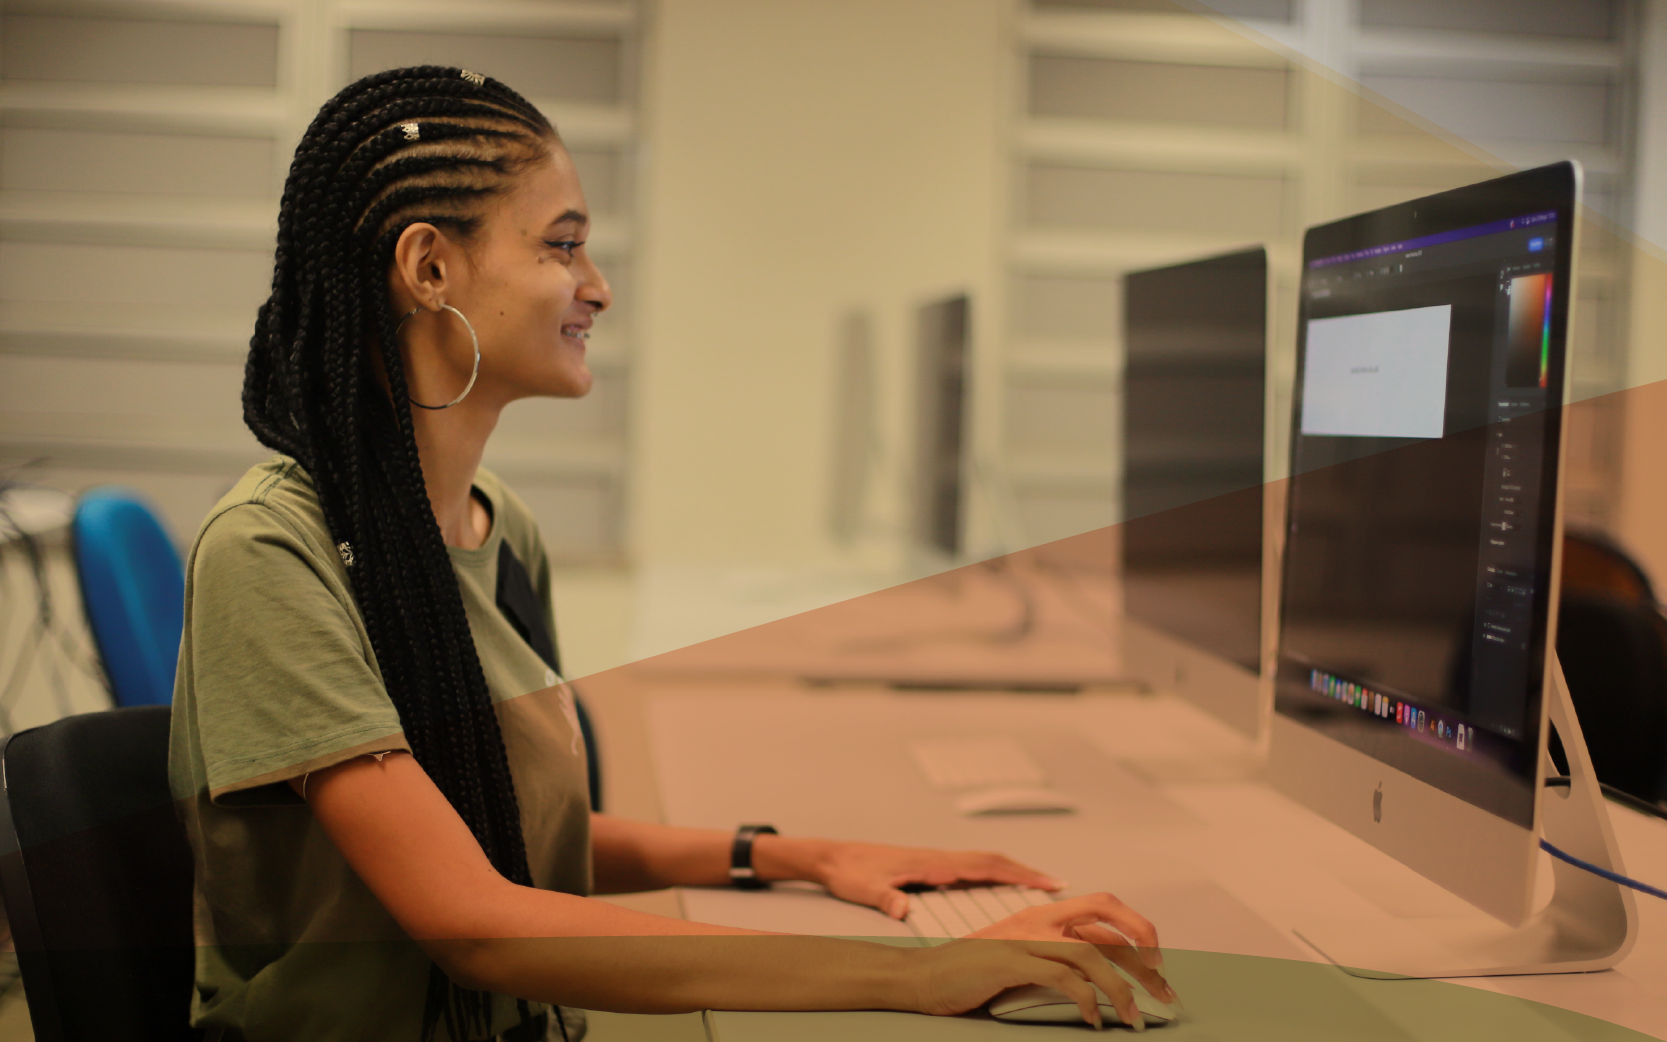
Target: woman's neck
point(450, 443)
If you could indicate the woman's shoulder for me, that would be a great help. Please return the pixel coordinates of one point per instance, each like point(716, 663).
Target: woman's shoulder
point(274, 499)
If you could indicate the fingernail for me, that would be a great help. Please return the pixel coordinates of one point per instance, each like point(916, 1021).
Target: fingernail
point(1138, 1023)
point(1058, 884)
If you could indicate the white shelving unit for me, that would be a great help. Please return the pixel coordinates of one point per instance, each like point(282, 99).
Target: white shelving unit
point(134, 281)
point(1213, 132)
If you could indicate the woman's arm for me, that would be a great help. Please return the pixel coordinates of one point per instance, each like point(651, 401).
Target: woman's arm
point(633, 855)
point(630, 856)
point(405, 841)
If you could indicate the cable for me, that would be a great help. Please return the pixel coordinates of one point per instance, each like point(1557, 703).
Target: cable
point(1613, 877)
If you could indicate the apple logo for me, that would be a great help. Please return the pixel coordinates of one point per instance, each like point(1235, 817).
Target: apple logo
point(1377, 803)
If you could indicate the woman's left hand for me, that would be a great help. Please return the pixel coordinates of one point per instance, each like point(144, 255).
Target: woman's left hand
point(871, 873)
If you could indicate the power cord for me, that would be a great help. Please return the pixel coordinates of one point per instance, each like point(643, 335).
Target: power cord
point(1613, 877)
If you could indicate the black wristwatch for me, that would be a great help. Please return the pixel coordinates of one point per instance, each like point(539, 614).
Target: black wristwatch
point(741, 872)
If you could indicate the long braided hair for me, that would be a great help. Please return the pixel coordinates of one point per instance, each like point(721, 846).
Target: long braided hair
point(427, 144)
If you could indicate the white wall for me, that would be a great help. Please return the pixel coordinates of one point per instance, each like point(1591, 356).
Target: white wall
point(806, 158)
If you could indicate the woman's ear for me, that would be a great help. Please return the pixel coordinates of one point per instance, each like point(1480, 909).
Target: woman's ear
point(424, 263)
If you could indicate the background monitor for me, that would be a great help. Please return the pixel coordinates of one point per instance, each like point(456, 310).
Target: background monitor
point(1422, 531)
point(942, 330)
point(1194, 384)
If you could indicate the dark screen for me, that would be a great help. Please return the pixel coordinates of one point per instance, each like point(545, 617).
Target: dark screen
point(1421, 507)
point(1195, 343)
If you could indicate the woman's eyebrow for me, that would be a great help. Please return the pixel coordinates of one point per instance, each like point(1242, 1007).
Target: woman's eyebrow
point(578, 216)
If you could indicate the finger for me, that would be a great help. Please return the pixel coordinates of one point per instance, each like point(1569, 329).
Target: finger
point(888, 899)
point(1136, 927)
point(1001, 869)
point(1062, 979)
point(932, 875)
point(1114, 947)
point(1093, 967)
point(894, 903)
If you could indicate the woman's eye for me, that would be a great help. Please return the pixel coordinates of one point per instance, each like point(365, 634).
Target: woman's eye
point(565, 245)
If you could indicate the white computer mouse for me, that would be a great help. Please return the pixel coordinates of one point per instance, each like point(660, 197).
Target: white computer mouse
point(1037, 1004)
point(1014, 800)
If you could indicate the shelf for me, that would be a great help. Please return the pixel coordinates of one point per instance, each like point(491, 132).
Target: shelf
point(1159, 146)
point(194, 221)
point(1112, 253)
point(138, 332)
point(138, 220)
point(194, 445)
point(1144, 37)
point(1482, 56)
point(571, 461)
point(1097, 364)
point(585, 125)
point(220, 111)
point(259, 12)
point(1063, 472)
point(588, 17)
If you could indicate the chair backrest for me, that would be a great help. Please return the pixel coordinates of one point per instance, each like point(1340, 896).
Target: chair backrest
point(95, 871)
point(1612, 644)
point(134, 587)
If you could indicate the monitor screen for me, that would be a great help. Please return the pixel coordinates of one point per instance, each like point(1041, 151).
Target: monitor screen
point(1418, 562)
point(1195, 350)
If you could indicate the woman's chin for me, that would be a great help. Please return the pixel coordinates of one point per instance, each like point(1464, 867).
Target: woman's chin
point(571, 384)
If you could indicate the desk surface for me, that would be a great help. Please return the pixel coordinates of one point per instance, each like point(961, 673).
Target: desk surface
point(1222, 864)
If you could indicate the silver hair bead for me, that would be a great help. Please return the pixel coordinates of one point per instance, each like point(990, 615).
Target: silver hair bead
point(473, 77)
point(412, 131)
point(346, 550)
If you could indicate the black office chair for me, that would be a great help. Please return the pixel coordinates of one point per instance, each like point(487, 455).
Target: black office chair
point(95, 871)
point(1612, 643)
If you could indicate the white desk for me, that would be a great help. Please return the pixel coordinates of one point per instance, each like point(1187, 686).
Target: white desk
point(1223, 867)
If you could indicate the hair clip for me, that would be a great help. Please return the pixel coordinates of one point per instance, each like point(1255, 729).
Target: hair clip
point(473, 77)
point(412, 131)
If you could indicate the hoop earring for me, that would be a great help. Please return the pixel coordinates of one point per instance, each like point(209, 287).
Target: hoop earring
point(473, 339)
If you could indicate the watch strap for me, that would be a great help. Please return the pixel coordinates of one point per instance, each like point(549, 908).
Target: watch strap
point(741, 872)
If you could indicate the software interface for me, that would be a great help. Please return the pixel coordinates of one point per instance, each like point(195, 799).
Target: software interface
point(1417, 539)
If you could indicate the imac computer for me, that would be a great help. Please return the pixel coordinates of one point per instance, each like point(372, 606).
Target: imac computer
point(1416, 676)
point(1194, 382)
point(943, 329)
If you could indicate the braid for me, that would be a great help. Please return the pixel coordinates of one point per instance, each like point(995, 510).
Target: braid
point(359, 179)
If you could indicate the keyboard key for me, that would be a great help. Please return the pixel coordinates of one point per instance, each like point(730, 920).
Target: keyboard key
point(937, 914)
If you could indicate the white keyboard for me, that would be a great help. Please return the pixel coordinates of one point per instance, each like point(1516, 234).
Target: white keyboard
point(975, 763)
point(941, 915)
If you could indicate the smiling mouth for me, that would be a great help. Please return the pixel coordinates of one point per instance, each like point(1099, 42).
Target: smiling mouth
point(576, 332)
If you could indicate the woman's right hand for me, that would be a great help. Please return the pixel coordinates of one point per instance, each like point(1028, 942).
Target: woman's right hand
point(965, 974)
point(1064, 945)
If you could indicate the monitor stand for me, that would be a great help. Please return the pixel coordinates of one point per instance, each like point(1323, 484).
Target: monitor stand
point(1590, 924)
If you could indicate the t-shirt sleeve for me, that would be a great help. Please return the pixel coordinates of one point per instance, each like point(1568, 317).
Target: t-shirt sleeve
point(279, 667)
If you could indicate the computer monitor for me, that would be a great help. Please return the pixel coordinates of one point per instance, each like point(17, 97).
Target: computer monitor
point(1415, 664)
point(1194, 383)
point(942, 331)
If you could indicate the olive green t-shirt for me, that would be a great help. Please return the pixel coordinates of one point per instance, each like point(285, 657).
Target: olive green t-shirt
point(276, 679)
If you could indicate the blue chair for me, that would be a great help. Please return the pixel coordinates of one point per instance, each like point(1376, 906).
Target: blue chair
point(133, 584)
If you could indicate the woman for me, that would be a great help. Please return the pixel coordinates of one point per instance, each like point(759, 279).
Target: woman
point(382, 779)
